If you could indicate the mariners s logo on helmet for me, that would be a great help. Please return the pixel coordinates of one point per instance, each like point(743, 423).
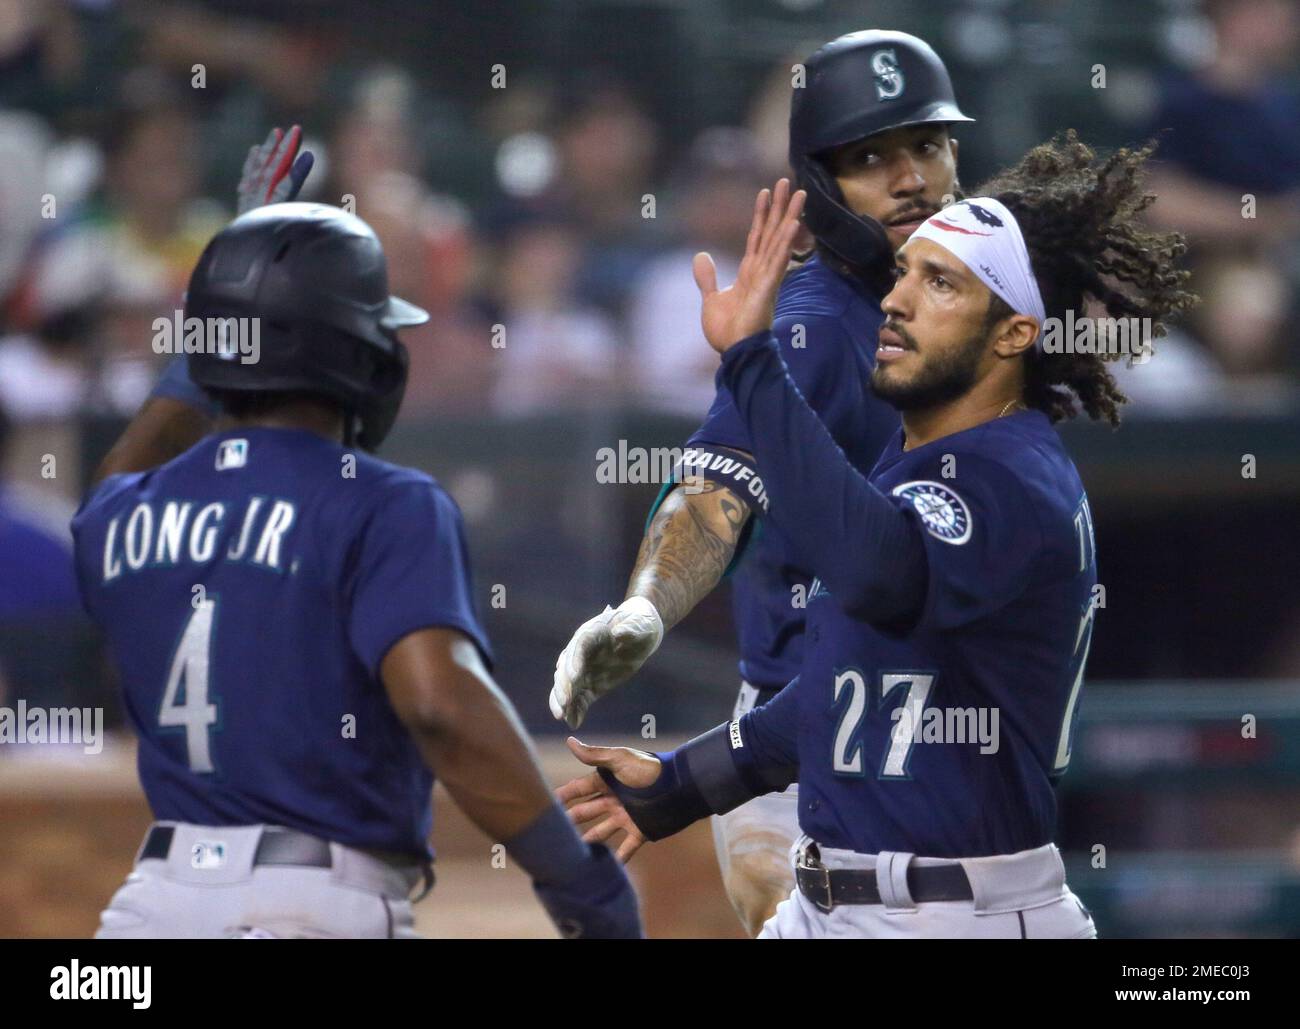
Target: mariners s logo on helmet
point(889, 79)
point(943, 513)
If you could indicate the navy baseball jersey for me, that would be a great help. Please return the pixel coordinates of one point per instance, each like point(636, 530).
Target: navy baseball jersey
point(941, 733)
point(944, 738)
point(827, 327)
point(249, 590)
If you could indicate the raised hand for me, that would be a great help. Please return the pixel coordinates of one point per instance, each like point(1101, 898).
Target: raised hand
point(747, 305)
point(274, 171)
point(589, 798)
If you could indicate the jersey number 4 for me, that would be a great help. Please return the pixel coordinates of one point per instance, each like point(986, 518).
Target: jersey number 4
point(185, 700)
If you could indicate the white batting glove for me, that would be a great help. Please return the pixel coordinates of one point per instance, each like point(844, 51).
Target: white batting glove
point(604, 652)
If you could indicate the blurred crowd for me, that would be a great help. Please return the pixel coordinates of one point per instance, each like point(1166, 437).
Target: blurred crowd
point(1229, 179)
point(556, 261)
point(567, 286)
point(564, 282)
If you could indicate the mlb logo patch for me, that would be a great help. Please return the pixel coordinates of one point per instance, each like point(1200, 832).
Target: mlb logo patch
point(233, 453)
point(205, 855)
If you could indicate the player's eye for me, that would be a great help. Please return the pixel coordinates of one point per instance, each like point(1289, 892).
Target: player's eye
point(940, 282)
point(898, 272)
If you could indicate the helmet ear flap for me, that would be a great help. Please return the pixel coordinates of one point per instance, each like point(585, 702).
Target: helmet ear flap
point(847, 235)
point(378, 411)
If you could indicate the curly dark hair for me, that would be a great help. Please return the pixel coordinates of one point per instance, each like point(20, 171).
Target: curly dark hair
point(1079, 215)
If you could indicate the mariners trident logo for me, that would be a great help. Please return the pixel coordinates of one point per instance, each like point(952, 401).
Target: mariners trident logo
point(889, 78)
point(943, 513)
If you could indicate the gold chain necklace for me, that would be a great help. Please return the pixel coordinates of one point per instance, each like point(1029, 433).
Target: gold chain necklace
point(1018, 404)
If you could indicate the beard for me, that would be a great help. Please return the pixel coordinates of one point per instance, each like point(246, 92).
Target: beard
point(942, 379)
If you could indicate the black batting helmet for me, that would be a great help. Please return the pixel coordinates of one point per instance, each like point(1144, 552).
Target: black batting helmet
point(316, 280)
point(856, 86)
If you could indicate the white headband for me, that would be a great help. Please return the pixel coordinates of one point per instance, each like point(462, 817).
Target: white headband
point(985, 237)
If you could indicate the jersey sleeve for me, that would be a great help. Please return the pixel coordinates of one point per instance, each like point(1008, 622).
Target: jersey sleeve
point(176, 384)
point(981, 535)
point(87, 528)
point(862, 546)
point(412, 571)
point(771, 732)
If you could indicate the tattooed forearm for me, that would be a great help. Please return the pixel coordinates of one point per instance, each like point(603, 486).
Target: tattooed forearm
point(687, 547)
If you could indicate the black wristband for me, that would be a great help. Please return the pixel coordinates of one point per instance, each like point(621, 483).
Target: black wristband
point(726, 467)
point(713, 768)
point(699, 778)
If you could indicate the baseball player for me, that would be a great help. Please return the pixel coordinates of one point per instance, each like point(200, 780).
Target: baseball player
point(293, 620)
point(870, 144)
point(955, 583)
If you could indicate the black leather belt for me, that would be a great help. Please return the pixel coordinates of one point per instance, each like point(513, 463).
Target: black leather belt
point(276, 846)
point(826, 888)
point(286, 847)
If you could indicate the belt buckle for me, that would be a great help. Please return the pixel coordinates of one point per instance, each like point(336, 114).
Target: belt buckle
point(826, 906)
point(823, 887)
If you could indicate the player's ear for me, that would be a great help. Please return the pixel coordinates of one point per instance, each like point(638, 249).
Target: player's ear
point(1016, 334)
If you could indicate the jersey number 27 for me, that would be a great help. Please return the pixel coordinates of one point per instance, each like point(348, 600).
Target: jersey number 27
point(847, 758)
